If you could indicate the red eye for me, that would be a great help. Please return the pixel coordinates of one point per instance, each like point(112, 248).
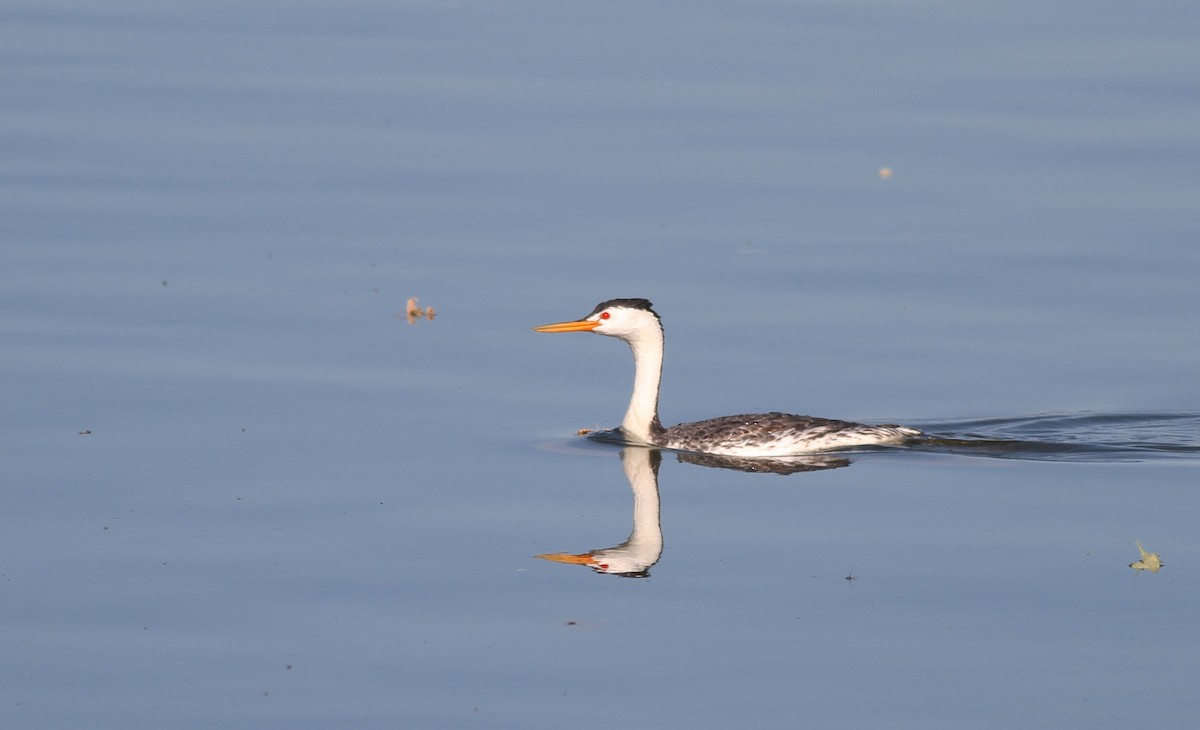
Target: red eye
point(605, 315)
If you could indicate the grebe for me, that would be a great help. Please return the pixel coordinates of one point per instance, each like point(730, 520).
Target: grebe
point(751, 434)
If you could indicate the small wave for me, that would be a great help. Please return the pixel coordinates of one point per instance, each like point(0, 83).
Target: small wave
point(1069, 436)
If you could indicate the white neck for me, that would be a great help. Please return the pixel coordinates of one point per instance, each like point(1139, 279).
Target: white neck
point(641, 420)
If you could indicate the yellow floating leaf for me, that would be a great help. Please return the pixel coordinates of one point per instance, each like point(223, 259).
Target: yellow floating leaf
point(1150, 561)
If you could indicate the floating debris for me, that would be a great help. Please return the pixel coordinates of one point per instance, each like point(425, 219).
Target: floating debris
point(413, 311)
point(585, 431)
point(1150, 561)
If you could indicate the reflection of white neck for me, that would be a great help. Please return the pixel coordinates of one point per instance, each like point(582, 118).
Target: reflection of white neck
point(645, 543)
point(641, 420)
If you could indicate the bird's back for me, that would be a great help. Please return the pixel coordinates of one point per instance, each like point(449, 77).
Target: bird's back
point(778, 434)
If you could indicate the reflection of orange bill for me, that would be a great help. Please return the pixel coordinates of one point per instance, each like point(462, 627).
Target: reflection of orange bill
point(581, 559)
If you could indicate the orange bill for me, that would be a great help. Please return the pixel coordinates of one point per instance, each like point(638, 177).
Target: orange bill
point(580, 325)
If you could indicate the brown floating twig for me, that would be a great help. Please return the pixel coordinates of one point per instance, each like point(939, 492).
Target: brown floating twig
point(413, 311)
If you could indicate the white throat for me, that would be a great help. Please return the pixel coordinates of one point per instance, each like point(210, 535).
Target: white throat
point(641, 420)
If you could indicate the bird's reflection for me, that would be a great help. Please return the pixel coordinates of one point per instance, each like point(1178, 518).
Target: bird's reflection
point(634, 557)
point(768, 465)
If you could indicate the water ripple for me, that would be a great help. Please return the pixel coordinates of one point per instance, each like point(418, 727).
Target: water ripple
point(1069, 436)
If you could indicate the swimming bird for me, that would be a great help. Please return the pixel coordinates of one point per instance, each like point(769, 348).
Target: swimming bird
point(751, 434)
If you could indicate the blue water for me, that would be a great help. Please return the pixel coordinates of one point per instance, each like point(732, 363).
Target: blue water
point(241, 490)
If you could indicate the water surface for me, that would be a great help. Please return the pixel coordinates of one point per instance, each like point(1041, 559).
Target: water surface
point(240, 491)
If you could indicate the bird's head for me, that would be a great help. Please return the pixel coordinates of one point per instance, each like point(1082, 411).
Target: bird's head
point(625, 319)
